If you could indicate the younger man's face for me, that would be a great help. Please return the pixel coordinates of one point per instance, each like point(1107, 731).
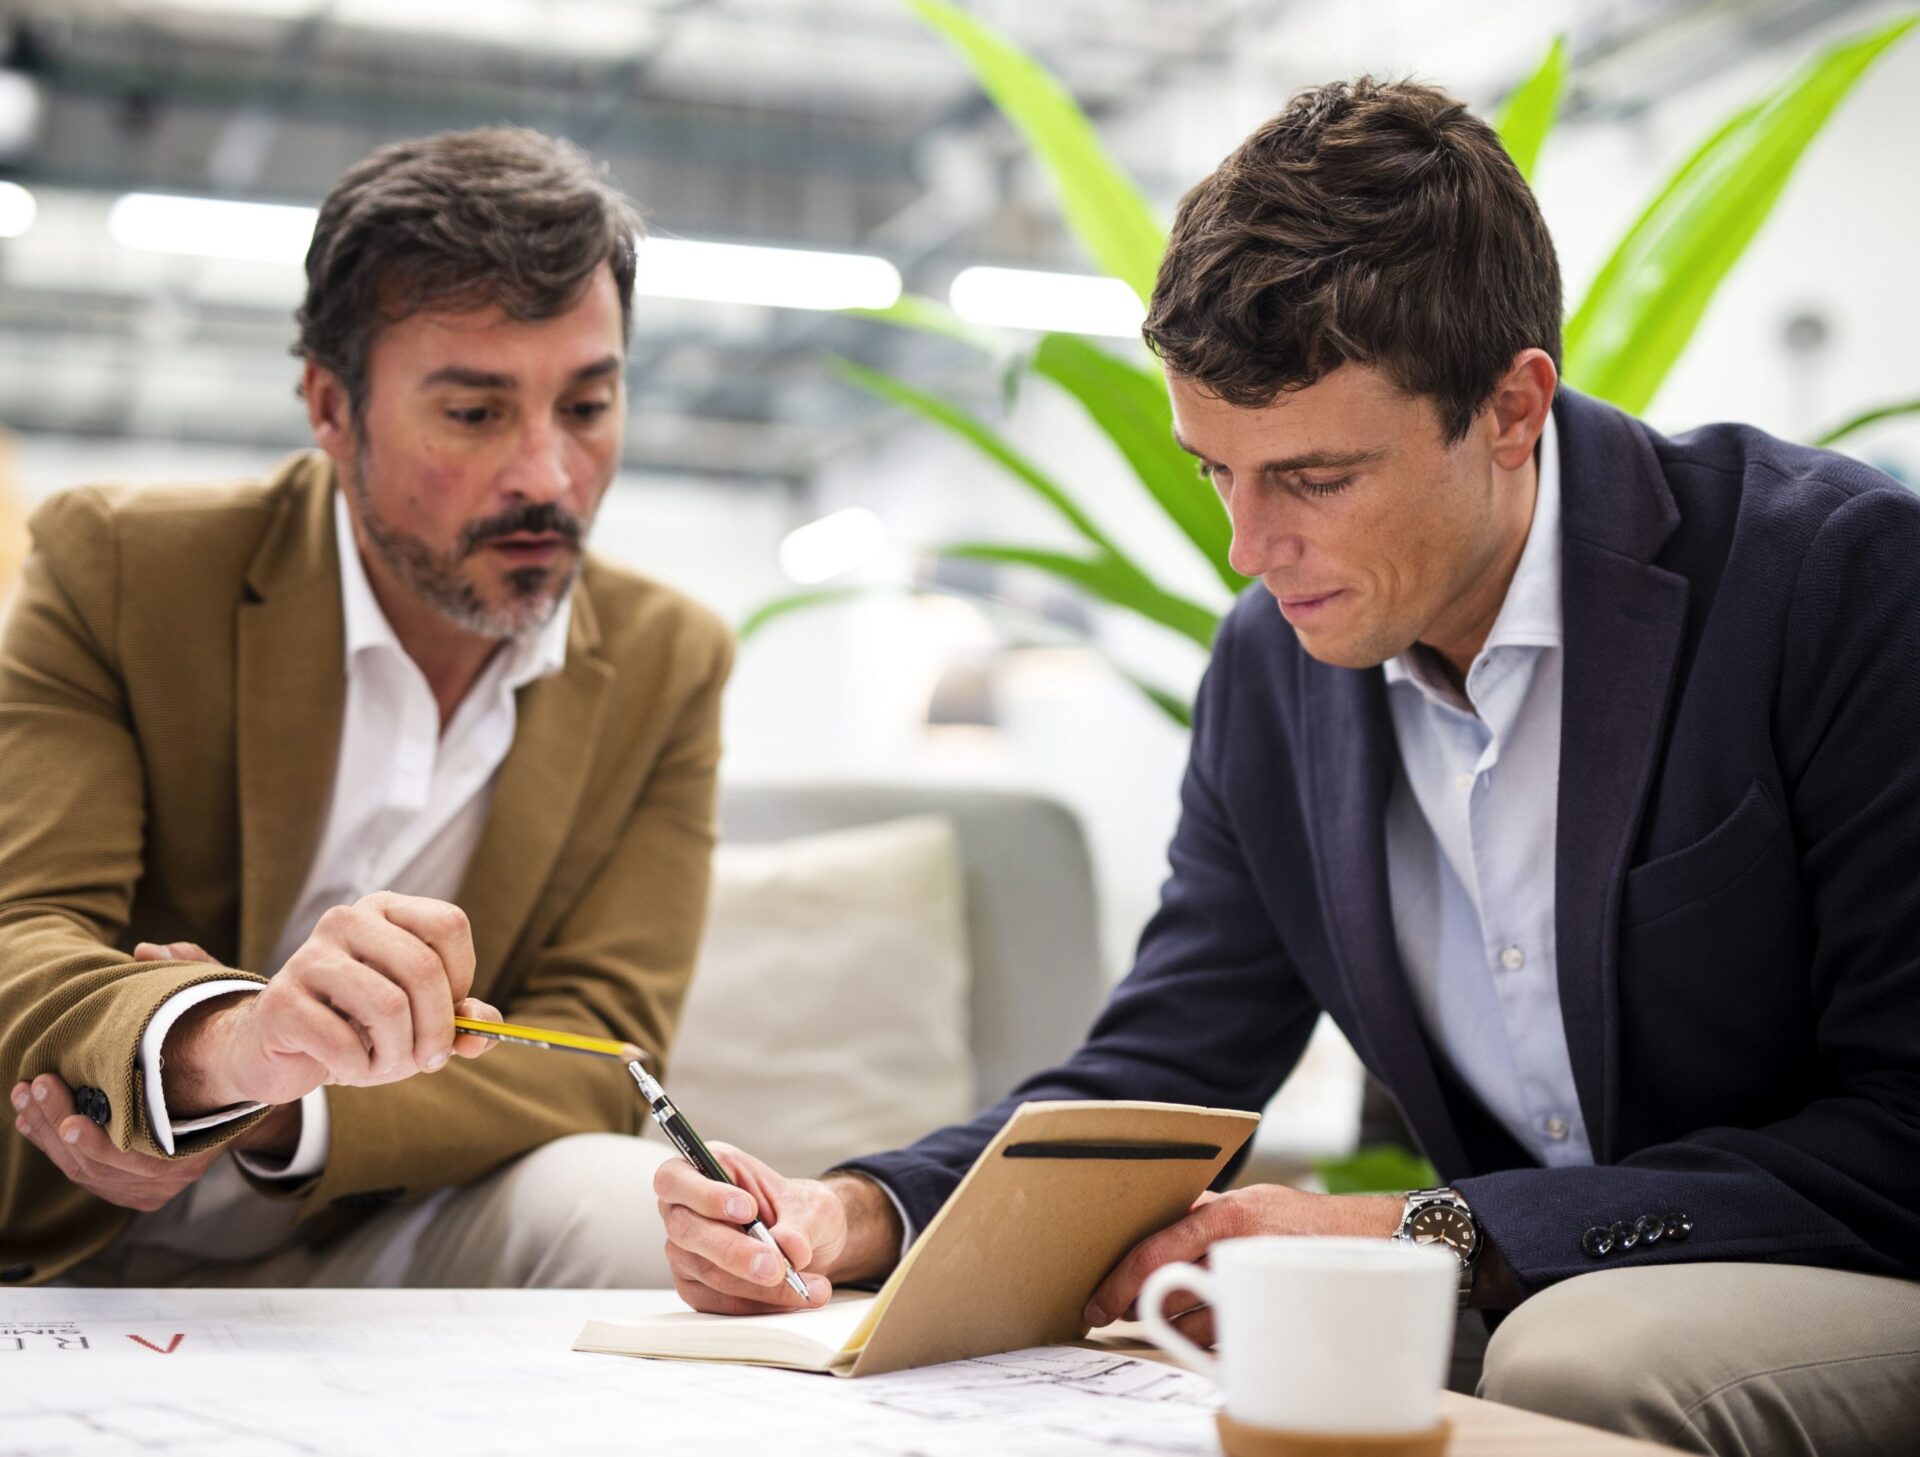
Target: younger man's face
point(482, 451)
point(1370, 530)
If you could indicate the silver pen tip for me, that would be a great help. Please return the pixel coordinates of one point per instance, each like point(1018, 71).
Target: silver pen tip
point(649, 1085)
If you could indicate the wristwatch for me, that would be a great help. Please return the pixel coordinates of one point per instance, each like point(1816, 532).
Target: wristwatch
point(1440, 1216)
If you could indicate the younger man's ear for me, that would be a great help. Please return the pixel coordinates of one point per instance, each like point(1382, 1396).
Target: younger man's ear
point(329, 411)
point(1521, 402)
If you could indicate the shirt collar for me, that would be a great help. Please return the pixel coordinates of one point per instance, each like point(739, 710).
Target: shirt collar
point(1530, 614)
point(525, 658)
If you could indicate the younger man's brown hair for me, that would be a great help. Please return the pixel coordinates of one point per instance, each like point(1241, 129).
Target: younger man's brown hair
point(1371, 222)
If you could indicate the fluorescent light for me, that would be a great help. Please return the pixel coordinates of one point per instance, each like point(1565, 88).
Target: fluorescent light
point(212, 228)
point(596, 27)
point(17, 209)
point(256, 9)
point(782, 278)
point(669, 267)
point(1063, 303)
point(834, 544)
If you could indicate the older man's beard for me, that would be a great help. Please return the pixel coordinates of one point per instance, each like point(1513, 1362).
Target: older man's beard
point(534, 594)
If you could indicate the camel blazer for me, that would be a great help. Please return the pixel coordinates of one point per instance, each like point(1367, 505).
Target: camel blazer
point(172, 686)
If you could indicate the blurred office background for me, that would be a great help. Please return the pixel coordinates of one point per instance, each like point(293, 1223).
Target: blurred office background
point(135, 346)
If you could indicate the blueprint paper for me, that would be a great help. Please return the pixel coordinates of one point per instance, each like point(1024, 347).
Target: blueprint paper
point(242, 1373)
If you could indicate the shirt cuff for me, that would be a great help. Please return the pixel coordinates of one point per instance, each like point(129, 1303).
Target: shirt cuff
point(309, 1154)
point(165, 1127)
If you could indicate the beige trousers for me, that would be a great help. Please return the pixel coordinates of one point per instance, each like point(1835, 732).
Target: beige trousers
point(577, 1213)
point(1736, 1360)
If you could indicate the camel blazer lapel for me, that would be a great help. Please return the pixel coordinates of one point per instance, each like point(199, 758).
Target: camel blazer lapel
point(290, 676)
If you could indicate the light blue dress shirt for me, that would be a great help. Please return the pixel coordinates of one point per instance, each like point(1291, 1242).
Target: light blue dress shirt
point(1471, 826)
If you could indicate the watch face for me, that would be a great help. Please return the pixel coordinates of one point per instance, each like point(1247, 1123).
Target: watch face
point(1445, 1225)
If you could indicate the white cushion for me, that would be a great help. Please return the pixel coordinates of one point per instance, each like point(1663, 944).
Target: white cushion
point(828, 1017)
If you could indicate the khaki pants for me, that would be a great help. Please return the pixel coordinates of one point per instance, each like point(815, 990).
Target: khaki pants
point(1736, 1360)
point(577, 1213)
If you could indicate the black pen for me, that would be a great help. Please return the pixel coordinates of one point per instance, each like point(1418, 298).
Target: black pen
point(674, 1124)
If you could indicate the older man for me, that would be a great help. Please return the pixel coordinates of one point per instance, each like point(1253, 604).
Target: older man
point(376, 738)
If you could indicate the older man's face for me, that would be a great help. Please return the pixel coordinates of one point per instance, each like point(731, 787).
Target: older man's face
point(482, 451)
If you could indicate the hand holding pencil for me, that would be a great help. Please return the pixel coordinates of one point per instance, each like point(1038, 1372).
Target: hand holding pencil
point(742, 1206)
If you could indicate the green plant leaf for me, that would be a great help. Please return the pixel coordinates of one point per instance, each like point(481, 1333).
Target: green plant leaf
point(1377, 1168)
point(1527, 115)
point(1649, 297)
point(1865, 418)
point(1103, 206)
point(1126, 402)
point(796, 602)
point(983, 438)
point(1111, 579)
point(1130, 406)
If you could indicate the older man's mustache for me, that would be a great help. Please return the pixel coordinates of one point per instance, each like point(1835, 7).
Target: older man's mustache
point(544, 519)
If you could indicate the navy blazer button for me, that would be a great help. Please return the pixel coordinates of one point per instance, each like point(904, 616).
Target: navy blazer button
point(1650, 1227)
point(1679, 1226)
point(14, 1274)
point(1597, 1242)
point(1625, 1236)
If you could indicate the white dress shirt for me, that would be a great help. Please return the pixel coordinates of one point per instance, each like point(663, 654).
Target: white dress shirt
point(1471, 828)
point(406, 812)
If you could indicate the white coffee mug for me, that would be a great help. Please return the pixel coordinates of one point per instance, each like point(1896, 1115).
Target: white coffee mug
point(1319, 1334)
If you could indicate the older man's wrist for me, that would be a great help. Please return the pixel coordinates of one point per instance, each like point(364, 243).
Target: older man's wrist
point(274, 1137)
point(190, 1062)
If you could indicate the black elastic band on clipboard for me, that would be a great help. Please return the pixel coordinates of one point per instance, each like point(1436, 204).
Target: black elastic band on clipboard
point(1196, 1152)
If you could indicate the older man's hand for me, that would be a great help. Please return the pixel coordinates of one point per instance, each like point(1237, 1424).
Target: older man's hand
point(45, 1113)
point(370, 998)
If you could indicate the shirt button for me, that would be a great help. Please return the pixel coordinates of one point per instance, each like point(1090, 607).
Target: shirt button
point(1513, 958)
point(1556, 1128)
point(1463, 782)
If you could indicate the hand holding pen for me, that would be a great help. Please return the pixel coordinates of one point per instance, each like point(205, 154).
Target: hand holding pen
point(680, 1132)
point(741, 1205)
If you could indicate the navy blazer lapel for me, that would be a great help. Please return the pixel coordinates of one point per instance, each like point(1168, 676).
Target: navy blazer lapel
point(1350, 754)
point(1623, 623)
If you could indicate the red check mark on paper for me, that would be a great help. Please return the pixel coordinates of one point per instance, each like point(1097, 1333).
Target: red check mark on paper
point(166, 1350)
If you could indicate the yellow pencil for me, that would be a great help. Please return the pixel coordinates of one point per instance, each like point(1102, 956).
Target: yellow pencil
point(550, 1040)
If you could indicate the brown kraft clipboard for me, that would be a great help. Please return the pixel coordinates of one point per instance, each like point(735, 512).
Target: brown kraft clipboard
point(1062, 1193)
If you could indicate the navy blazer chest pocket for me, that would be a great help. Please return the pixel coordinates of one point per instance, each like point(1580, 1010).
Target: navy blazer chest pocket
point(1718, 861)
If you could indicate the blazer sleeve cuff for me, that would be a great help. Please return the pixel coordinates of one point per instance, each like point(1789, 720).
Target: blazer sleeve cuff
point(164, 1125)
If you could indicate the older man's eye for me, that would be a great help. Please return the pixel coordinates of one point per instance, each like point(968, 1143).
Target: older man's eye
point(471, 415)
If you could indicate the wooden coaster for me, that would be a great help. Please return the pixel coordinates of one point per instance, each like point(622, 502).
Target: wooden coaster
point(1241, 1440)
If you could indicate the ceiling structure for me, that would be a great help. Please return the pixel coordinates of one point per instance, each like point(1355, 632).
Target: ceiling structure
point(827, 124)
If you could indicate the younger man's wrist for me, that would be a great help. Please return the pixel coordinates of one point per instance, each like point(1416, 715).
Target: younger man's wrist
point(874, 1231)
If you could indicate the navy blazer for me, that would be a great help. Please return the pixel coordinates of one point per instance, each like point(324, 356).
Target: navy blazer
point(1737, 880)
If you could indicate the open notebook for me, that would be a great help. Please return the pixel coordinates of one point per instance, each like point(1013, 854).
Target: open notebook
point(1049, 1207)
